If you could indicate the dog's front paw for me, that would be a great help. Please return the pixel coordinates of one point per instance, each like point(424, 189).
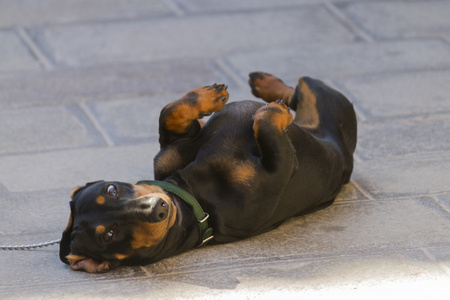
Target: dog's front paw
point(211, 98)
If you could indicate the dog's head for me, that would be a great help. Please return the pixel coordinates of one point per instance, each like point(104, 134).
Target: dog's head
point(116, 223)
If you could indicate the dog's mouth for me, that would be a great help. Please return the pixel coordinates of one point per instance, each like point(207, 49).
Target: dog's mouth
point(80, 263)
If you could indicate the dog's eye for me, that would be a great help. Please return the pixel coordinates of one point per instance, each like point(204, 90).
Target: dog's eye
point(108, 235)
point(111, 190)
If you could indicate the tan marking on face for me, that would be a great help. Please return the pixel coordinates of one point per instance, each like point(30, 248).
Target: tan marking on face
point(100, 200)
point(121, 256)
point(307, 114)
point(147, 234)
point(74, 258)
point(100, 229)
point(145, 189)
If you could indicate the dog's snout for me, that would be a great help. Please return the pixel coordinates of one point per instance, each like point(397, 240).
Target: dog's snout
point(157, 207)
point(161, 210)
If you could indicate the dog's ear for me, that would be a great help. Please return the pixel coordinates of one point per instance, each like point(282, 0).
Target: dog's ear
point(64, 245)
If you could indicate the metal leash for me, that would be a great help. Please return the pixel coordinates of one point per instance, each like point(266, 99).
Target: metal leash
point(28, 247)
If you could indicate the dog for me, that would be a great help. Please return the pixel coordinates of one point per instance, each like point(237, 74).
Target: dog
point(247, 169)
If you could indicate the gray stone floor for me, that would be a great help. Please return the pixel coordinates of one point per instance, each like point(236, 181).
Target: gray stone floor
point(81, 87)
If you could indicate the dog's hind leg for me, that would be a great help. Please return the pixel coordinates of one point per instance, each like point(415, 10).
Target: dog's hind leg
point(270, 88)
point(302, 99)
point(269, 125)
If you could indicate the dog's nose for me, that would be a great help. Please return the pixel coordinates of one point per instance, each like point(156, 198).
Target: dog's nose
point(157, 207)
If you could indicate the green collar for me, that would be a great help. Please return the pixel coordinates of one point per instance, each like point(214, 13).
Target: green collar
point(205, 230)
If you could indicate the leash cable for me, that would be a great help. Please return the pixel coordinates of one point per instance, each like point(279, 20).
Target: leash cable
point(28, 247)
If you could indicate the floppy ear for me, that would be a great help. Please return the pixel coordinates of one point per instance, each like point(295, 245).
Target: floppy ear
point(64, 245)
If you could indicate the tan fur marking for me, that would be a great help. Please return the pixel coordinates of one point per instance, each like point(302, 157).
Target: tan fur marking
point(100, 229)
point(120, 256)
point(307, 114)
point(74, 191)
point(144, 189)
point(74, 258)
point(147, 234)
point(100, 200)
point(243, 173)
point(277, 115)
point(150, 234)
point(181, 117)
point(183, 112)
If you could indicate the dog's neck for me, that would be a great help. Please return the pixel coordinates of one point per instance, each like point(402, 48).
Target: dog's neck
point(184, 234)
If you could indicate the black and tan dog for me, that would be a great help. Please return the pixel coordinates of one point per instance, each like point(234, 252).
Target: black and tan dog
point(250, 167)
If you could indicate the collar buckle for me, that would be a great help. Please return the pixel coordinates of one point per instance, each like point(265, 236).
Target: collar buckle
point(204, 219)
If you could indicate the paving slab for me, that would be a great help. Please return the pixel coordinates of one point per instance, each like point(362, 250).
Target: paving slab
point(444, 200)
point(395, 137)
point(15, 55)
point(70, 168)
point(398, 19)
point(36, 268)
point(114, 117)
point(411, 175)
point(403, 94)
point(105, 82)
point(200, 36)
point(33, 129)
point(34, 213)
point(218, 6)
point(32, 13)
point(342, 229)
point(303, 276)
point(409, 270)
point(440, 255)
point(342, 60)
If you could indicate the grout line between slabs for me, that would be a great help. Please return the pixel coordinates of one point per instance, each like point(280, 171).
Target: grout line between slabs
point(224, 67)
point(146, 271)
point(439, 202)
point(175, 8)
point(351, 25)
point(442, 266)
point(34, 49)
point(97, 125)
point(363, 191)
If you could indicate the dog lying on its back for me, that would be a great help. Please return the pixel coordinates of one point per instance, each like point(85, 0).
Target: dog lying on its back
point(250, 167)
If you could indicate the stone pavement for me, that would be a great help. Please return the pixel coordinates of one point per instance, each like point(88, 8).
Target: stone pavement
point(81, 87)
